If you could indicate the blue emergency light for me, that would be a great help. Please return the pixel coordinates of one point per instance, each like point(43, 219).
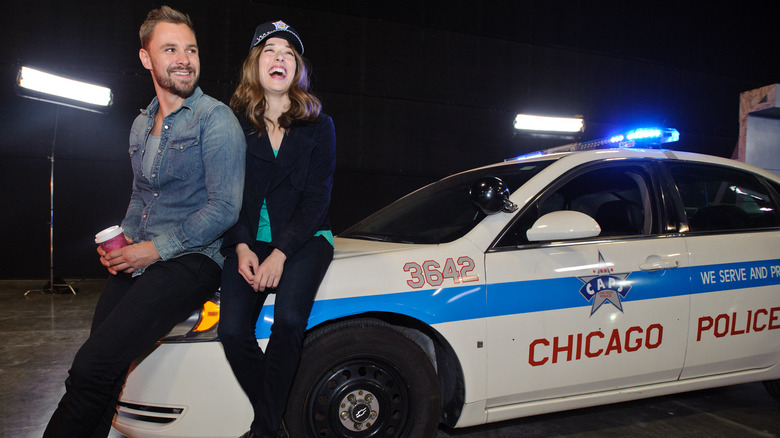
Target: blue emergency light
point(635, 138)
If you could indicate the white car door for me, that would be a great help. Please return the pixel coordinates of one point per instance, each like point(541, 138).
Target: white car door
point(734, 244)
point(593, 314)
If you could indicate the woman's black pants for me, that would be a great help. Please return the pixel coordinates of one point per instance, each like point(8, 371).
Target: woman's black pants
point(266, 377)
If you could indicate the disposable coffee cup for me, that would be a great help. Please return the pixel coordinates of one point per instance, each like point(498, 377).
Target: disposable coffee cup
point(111, 238)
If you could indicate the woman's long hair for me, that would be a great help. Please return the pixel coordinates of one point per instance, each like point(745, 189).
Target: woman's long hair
point(249, 98)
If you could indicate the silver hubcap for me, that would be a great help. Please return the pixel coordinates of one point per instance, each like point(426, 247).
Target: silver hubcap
point(358, 410)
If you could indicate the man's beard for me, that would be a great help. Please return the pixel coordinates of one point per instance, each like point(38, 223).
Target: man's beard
point(166, 82)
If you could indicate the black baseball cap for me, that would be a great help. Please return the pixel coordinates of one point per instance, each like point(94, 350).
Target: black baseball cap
point(277, 29)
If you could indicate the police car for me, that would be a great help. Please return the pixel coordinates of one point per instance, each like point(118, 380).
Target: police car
point(581, 276)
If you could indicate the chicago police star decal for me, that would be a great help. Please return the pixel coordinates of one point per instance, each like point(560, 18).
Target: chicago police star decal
point(605, 286)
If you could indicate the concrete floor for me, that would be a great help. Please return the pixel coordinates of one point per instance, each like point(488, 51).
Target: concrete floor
point(40, 333)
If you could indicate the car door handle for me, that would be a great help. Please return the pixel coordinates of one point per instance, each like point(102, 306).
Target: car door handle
point(657, 264)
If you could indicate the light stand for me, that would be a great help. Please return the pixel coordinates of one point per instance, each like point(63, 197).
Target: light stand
point(45, 87)
point(55, 285)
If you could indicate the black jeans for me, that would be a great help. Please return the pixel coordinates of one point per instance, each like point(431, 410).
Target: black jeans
point(267, 377)
point(132, 314)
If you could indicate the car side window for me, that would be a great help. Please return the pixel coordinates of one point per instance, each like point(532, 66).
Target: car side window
point(618, 196)
point(722, 199)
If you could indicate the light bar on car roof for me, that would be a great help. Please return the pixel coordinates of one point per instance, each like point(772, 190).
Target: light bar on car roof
point(636, 138)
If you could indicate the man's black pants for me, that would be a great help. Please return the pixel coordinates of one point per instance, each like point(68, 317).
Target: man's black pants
point(132, 314)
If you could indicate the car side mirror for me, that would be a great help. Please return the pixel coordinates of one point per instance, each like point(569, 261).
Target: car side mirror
point(563, 225)
point(491, 195)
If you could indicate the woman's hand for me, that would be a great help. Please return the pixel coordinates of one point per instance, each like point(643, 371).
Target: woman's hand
point(247, 263)
point(269, 272)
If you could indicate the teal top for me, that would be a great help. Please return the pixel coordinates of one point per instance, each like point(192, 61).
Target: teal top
point(264, 227)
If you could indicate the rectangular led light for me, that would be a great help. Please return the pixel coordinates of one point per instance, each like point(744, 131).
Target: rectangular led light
point(58, 86)
point(526, 122)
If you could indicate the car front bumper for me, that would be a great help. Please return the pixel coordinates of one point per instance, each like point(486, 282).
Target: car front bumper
point(183, 390)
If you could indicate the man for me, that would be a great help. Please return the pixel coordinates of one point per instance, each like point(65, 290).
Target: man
point(187, 151)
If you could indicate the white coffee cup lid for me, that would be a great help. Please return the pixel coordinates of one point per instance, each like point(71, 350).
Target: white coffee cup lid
point(108, 233)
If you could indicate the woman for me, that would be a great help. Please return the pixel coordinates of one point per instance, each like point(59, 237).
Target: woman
point(282, 242)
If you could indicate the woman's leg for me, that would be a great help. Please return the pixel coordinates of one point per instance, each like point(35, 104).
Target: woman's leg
point(240, 306)
point(303, 273)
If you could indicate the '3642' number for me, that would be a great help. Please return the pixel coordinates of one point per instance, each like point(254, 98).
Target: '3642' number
point(430, 273)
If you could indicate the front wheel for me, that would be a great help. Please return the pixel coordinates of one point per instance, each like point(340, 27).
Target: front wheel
point(360, 379)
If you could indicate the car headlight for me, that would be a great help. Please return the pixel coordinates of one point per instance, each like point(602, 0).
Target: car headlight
point(201, 326)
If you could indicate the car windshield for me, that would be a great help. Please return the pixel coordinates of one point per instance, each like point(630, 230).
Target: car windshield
point(439, 212)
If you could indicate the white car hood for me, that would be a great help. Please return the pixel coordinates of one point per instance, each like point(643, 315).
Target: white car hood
point(348, 248)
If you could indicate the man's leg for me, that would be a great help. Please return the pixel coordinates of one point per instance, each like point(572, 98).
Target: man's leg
point(165, 294)
point(115, 288)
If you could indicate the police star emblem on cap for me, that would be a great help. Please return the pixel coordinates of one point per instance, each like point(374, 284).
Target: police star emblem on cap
point(280, 25)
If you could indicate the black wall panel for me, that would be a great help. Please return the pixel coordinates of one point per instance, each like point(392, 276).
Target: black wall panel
point(418, 90)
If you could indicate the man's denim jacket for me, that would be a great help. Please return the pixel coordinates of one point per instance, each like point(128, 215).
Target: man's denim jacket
point(193, 193)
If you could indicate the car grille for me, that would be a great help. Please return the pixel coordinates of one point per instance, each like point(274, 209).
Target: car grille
point(149, 414)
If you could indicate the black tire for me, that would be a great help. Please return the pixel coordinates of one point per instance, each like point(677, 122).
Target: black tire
point(773, 387)
point(360, 379)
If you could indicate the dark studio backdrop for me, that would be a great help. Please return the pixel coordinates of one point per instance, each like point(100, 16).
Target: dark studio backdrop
point(417, 89)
